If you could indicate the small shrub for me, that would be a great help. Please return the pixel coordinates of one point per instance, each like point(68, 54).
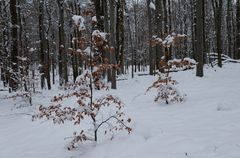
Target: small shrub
point(165, 88)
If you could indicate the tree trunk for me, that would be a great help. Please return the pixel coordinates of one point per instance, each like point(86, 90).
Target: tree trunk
point(200, 23)
point(219, 33)
point(44, 69)
point(238, 30)
point(149, 12)
point(13, 83)
point(159, 18)
point(62, 57)
point(106, 29)
point(112, 44)
point(217, 9)
point(121, 38)
point(99, 13)
point(229, 27)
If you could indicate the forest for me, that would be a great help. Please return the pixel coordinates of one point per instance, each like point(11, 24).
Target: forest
point(116, 70)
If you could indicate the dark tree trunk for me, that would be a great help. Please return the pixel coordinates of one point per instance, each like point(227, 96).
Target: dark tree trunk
point(151, 63)
point(200, 24)
point(99, 13)
point(13, 81)
point(62, 57)
point(113, 44)
point(229, 27)
point(238, 30)
point(217, 9)
point(121, 38)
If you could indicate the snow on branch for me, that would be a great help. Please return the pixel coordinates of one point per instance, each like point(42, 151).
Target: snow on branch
point(79, 22)
point(152, 6)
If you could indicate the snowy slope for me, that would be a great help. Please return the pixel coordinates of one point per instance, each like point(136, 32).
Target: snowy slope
point(206, 125)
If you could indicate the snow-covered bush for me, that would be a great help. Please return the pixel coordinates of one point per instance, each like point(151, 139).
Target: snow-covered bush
point(166, 90)
point(165, 87)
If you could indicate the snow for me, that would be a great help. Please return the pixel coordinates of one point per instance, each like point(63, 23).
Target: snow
point(32, 50)
point(94, 19)
point(190, 60)
point(168, 40)
point(79, 50)
point(206, 125)
point(152, 5)
point(87, 51)
point(22, 58)
point(159, 40)
point(79, 21)
point(102, 35)
point(181, 35)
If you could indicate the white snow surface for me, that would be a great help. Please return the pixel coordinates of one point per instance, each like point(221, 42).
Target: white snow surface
point(206, 125)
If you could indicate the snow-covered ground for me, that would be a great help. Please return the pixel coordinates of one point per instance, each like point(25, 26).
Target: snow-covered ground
point(206, 125)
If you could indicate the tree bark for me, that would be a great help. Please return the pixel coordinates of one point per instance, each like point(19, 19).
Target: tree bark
point(159, 19)
point(62, 57)
point(217, 9)
point(200, 24)
point(150, 34)
point(13, 83)
point(238, 29)
point(44, 69)
point(113, 44)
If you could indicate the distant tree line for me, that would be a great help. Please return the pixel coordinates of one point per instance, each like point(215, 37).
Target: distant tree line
point(39, 41)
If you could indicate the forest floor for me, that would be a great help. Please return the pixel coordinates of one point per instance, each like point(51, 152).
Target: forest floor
point(205, 125)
